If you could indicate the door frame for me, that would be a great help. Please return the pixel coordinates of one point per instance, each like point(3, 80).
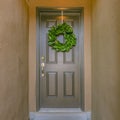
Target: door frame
point(81, 37)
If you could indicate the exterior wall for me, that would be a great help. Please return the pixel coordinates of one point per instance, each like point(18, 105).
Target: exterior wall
point(13, 60)
point(106, 59)
point(32, 45)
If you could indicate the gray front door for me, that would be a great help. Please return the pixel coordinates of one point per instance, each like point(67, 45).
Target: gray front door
point(60, 77)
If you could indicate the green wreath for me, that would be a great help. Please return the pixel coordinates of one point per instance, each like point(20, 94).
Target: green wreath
point(69, 37)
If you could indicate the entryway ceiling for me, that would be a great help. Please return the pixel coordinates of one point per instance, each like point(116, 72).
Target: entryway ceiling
point(71, 3)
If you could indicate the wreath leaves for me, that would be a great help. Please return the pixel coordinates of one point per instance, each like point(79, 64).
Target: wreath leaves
point(67, 32)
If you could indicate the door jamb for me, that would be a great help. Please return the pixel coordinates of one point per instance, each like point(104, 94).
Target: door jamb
point(81, 35)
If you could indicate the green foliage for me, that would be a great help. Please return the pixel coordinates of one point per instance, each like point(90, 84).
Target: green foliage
point(65, 30)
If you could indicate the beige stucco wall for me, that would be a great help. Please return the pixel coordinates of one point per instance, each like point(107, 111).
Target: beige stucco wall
point(106, 59)
point(32, 45)
point(13, 60)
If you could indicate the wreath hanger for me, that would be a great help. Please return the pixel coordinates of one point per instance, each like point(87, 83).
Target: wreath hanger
point(62, 16)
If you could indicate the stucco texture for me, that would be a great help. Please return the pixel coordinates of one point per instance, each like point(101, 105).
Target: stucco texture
point(106, 59)
point(13, 60)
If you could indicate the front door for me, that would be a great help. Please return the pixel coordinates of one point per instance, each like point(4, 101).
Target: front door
point(59, 71)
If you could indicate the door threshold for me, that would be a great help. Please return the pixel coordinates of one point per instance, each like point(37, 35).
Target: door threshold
point(60, 110)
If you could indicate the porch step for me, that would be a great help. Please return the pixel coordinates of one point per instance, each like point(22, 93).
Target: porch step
point(60, 116)
point(60, 110)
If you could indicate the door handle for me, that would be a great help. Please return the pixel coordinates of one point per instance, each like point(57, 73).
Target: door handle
point(42, 66)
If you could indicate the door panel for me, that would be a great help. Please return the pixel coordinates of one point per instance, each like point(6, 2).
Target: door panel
point(69, 84)
point(51, 83)
point(60, 87)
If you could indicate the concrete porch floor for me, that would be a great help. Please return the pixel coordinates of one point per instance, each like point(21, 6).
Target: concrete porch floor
point(60, 116)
